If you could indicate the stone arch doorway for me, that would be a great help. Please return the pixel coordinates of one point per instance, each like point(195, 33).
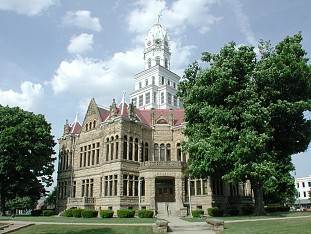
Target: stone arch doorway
point(165, 189)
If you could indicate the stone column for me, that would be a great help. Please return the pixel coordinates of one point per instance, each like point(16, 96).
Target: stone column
point(150, 192)
point(201, 186)
point(139, 193)
point(178, 191)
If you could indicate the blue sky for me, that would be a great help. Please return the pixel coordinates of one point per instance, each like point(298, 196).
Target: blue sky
point(55, 55)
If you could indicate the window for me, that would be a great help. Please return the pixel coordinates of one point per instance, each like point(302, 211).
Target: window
point(106, 186)
point(146, 82)
point(198, 187)
point(131, 149)
point(115, 185)
point(107, 150)
point(154, 97)
point(83, 188)
point(81, 156)
point(297, 185)
point(125, 185)
point(141, 100)
point(74, 189)
point(309, 184)
point(149, 62)
point(178, 152)
point(166, 63)
point(168, 152)
point(156, 152)
point(117, 147)
point(162, 80)
point(169, 82)
point(169, 98)
point(304, 194)
point(139, 85)
point(136, 150)
point(162, 98)
point(174, 85)
point(136, 186)
point(148, 98)
point(91, 187)
point(142, 190)
point(86, 127)
point(146, 152)
point(153, 80)
point(205, 187)
point(97, 156)
point(303, 184)
point(175, 100)
point(134, 101)
point(84, 159)
point(157, 60)
point(94, 123)
point(162, 152)
point(93, 157)
point(192, 188)
point(125, 148)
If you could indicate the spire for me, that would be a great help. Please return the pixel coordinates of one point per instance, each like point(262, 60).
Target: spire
point(122, 103)
point(74, 123)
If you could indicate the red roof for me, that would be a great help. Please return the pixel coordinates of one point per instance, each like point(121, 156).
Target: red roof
point(75, 128)
point(103, 113)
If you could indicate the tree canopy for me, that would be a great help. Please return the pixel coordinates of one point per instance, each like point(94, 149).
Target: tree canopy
point(26, 154)
point(244, 114)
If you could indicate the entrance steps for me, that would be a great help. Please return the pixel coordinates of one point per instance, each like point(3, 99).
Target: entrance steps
point(166, 209)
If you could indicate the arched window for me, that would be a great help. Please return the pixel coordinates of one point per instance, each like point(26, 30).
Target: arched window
point(107, 149)
point(168, 152)
point(157, 60)
point(146, 152)
point(153, 80)
point(156, 152)
point(178, 152)
point(131, 149)
point(125, 147)
point(86, 127)
point(111, 148)
point(162, 152)
point(142, 151)
point(149, 62)
point(166, 63)
point(117, 147)
point(94, 123)
point(136, 150)
point(90, 125)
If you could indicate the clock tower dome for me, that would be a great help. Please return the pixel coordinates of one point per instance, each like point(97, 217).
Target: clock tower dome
point(156, 85)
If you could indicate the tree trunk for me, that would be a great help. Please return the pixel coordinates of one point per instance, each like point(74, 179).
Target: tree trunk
point(258, 195)
point(2, 202)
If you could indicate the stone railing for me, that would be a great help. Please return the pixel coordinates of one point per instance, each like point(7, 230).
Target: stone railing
point(162, 164)
point(80, 201)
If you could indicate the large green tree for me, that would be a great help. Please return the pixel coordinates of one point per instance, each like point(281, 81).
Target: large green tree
point(26, 155)
point(230, 123)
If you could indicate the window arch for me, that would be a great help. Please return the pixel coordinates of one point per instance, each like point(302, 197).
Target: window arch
point(125, 147)
point(162, 152)
point(156, 152)
point(168, 152)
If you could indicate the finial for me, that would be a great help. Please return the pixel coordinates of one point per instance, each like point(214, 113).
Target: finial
point(159, 16)
point(123, 103)
point(76, 118)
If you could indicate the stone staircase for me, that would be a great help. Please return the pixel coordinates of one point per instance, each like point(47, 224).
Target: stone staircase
point(12, 227)
point(165, 209)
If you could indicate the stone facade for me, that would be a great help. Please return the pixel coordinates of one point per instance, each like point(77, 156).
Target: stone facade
point(128, 157)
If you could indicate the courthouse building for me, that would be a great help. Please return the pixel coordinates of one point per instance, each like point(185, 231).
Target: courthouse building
point(130, 156)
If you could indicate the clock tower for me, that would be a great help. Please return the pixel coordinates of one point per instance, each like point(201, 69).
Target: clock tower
point(156, 86)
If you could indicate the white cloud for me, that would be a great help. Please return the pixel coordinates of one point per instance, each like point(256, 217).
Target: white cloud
point(85, 77)
point(27, 99)
point(29, 7)
point(82, 19)
point(80, 44)
point(243, 22)
point(181, 14)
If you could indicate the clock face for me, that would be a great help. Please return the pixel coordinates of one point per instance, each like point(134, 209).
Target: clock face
point(158, 41)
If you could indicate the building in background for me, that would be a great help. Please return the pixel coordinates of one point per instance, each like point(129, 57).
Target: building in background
point(303, 186)
point(130, 155)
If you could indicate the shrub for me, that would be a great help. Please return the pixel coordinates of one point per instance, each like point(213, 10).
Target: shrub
point(106, 213)
point(276, 208)
point(48, 212)
point(76, 213)
point(247, 209)
point(126, 213)
point(215, 212)
point(145, 213)
point(88, 213)
point(233, 211)
point(36, 212)
point(197, 213)
point(68, 213)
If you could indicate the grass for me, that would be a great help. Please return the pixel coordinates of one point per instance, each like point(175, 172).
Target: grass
point(241, 217)
point(77, 220)
point(287, 226)
point(80, 229)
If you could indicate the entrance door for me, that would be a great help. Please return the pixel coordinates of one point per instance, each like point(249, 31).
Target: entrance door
point(165, 189)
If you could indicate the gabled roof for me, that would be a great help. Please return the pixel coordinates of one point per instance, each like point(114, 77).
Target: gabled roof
point(75, 127)
point(103, 113)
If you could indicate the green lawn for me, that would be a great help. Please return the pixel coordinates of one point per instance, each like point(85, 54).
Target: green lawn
point(241, 217)
point(78, 220)
point(80, 229)
point(288, 226)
